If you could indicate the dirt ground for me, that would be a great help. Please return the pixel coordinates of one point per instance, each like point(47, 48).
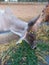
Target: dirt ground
point(24, 11)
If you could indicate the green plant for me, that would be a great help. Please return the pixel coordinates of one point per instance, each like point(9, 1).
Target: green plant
point(22, 54)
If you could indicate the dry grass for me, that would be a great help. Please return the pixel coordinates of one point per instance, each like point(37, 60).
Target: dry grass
point(4, 47)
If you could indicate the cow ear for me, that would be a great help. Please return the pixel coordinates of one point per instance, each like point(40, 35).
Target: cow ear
point(33, 21)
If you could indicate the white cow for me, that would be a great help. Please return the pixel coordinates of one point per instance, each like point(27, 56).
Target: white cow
point(8, 22)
